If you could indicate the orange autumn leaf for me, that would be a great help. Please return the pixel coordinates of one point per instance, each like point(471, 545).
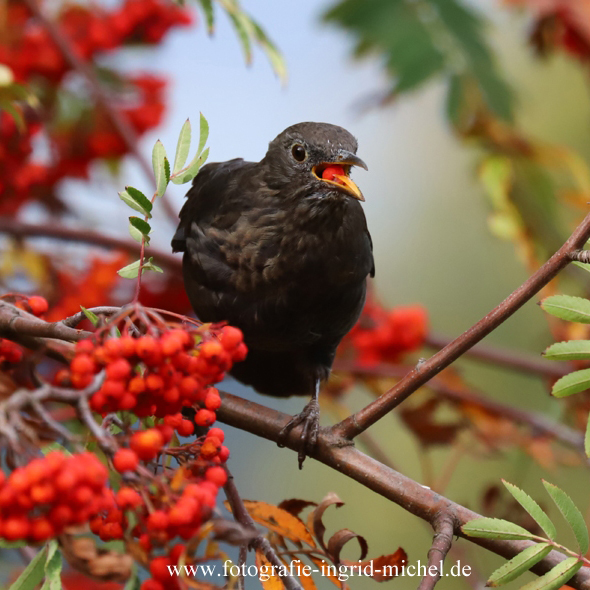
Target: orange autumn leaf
point(263, 565)
point(279, 521)
point(306, 581)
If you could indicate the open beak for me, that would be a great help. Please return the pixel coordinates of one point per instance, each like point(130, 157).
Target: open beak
point(337, 173)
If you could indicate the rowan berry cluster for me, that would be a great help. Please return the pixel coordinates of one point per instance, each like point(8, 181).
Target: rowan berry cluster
point(157, 375)
point(40, 500)
point(383, 335)
point(75, 141)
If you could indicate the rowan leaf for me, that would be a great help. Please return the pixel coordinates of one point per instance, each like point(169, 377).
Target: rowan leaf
point(279, 521)
point(555, 578)
point(495, 528)
point(159, 166)
point(572, 383)
point(572, 515)
point(567, 307)
point(274, 55)
point(584, 265)
point(53, 566)
point(519, 564)
point(265, 569)
point(90, 316)
point(33, 574)
point(192, 169)
point(536, 512)
point(207, 6)
point(568, 351)
point(182, 147)
point(136, 200)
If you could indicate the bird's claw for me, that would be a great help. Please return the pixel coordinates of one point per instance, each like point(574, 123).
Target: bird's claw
point(310, 418)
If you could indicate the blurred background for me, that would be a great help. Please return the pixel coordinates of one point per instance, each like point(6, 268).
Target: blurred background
point(465, 196)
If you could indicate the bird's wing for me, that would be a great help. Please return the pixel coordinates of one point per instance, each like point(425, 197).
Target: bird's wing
point(372, 271)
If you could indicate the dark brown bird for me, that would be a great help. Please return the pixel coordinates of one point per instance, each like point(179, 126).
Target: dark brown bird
point(280, 248)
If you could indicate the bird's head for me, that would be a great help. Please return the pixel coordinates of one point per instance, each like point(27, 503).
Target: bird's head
point(314, 157)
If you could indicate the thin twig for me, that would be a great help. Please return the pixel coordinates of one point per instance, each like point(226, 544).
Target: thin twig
point(260, 542)
point(444, 526)
point(370, 414)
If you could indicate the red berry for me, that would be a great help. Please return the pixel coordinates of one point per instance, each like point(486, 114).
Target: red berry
point(15, 528)
point(212, 400)
point(151, 584)
point(223, 454)
point(217, 433)
point(157, 520)
point(230, 337)
point(147, 443)
point(118, 369)
point(125, 460)
point(128, 498)
point(216, 475)
point(38, 304)
point(186, 428)
point(82, 364)
point(205, 417)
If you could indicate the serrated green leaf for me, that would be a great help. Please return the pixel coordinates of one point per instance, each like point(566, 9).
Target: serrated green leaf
point(207, 6)
point(182, 147)
point(143, 226)
point(53, 565)
point(567, 307)
point(130, 271)
point(568, 351)
point(519, 564)
point(536, 512)
point(33, 574)
point(90, 316)
point(495, 528)
point(136, 200)
point(159, 166)
point(572, 515)
point(192, 169)
point(571, 383)
point(557, 577)
point(203, 133)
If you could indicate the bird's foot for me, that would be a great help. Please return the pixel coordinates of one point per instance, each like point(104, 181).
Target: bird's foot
point(310, 418)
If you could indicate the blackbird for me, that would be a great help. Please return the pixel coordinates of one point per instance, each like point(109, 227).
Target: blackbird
point(280, 248)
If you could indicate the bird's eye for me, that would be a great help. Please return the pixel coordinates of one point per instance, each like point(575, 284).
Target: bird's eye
point(299, 152)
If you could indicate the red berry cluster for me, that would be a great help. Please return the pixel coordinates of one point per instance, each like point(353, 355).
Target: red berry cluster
point(383, 335)
point(28, 50)
point(40, 500)
point(158, 375)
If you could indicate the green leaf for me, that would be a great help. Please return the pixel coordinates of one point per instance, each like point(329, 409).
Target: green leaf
point(130, 271)
point(137, 235)
point(207, 6)
point(533, 509)
point(587, 438)
point(53, 565)
point(159, 166)
point(495, 528)
point(55, 446)
point(133, 583)
point(567, 307)
point(568, 351)
point(7, 106)
point(32, 574)
point(572, 383)
point(12, 544)
point(192, 169)
point(203, 133)
point(90, 316)
point(557, 577)
point(275, 57)
point(571, 514)
point(143, 226)
point(183, 146)
point(149, 265)
point(519, 564)
point(136, 200)
point(455, 98)
point(243, 28)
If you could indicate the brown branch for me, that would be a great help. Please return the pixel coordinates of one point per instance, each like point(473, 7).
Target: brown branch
point(340, 454)
point(21, 229)
point(121, 125)
point(260, 542)
point(539, 422)
point(510, 359)
point(370, 414)
point(443, 525)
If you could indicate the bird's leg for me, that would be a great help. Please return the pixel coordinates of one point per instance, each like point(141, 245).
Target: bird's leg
point(310, 418)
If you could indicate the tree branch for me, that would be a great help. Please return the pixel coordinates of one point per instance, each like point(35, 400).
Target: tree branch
point(21, 229)
point(443, 525)
point(339, 453)
point(364, 418)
